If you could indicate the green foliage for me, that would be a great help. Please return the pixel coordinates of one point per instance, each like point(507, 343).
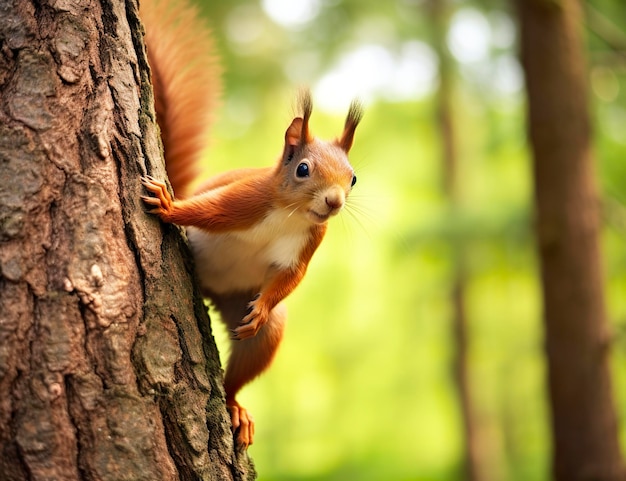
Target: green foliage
point(362, 388)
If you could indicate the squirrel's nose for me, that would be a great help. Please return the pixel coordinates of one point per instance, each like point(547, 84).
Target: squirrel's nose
point(334, 200)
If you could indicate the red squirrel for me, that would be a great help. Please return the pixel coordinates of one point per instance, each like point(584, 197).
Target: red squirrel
point(253, 232)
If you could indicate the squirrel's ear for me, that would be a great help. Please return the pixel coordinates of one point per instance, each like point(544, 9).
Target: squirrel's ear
point(355, 114)
point(293, 136)
point(298, 132)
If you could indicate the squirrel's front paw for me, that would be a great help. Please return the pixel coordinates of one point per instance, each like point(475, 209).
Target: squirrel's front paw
point(250, 325)
point(162, 202)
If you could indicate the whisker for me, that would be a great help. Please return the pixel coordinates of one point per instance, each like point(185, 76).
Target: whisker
point(363, 163)
point(359, 208)
point(353, 214)
point(293, 211)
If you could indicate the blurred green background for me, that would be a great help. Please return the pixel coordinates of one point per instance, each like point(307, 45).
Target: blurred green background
point(363, 385)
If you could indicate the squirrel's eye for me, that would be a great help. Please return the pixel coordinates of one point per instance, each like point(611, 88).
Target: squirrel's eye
point(353, 180)
point(302, 170)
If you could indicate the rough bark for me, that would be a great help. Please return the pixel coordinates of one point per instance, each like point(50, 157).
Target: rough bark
point(108, 369)
point(584, 423)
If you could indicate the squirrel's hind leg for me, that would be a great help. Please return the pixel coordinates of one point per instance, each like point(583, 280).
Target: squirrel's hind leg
point(249, 358)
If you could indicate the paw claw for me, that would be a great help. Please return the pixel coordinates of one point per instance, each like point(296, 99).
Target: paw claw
point(243, 424)
point(162, 200)
point(150, 200)
point(254, 320)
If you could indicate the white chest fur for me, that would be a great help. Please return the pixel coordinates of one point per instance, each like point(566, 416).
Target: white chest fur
point(242, 260)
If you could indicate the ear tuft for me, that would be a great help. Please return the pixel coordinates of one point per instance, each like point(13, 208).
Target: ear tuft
point(298, 133)
point(355, 114)
point(305, 104)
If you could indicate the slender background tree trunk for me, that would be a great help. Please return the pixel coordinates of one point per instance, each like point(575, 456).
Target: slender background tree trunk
point(584, 422)
point(449, 155)
point(108, 369)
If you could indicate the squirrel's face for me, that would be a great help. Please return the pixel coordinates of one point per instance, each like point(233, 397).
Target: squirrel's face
point(316, 175)
point(317, 181)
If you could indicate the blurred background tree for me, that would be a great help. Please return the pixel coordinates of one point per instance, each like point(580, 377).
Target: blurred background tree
point(364, 386)
point(583, 418)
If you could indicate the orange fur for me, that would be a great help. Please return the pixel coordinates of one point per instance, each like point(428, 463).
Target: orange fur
point(218, 210)
point(228, 178)
point(186, 82)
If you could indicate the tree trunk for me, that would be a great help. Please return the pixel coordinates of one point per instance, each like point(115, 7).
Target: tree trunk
point(445, 124)
point(108, 369)
point(584, 423)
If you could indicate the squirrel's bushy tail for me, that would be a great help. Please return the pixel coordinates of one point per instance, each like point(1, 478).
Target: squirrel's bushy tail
point(186, 81)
